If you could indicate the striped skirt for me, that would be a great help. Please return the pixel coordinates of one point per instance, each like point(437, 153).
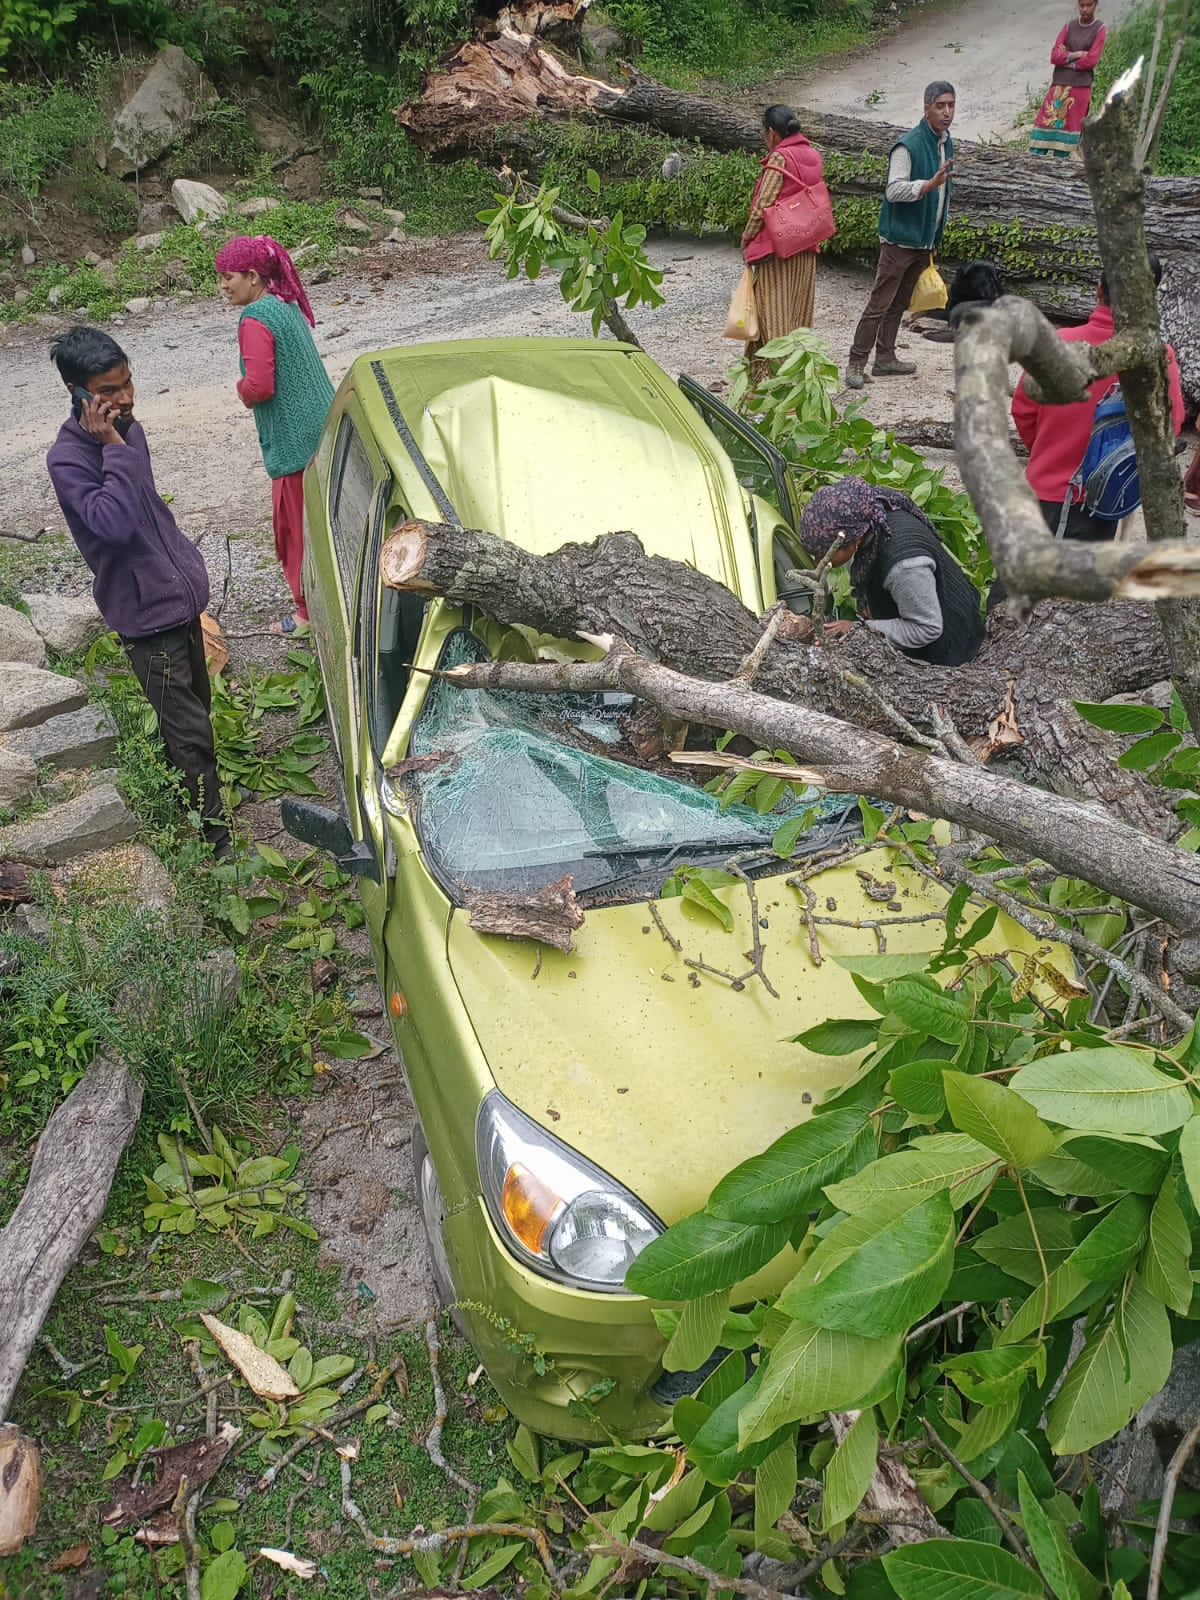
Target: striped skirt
point(784, 292)
point(1057, 126)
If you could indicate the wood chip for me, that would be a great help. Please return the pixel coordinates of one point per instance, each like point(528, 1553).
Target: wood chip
point(550, 915)
point(262, 1372)
point(74, 1557)
point(196, 1460)
point(20, 1488)
point(300, 1566)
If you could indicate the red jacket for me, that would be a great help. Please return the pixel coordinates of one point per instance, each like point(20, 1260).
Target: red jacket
point(803, 167)
point(1057, 436)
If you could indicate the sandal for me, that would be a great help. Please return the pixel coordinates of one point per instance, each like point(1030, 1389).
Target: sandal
point(291, 627)
point(1192, 504)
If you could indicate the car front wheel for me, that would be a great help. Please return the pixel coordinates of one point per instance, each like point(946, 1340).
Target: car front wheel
point(433, 1216)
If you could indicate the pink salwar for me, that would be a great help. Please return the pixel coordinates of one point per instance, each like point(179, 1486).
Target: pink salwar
point(287, 507)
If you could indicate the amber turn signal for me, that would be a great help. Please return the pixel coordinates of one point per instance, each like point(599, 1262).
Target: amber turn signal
point(530, 1206)
point(397, 1004)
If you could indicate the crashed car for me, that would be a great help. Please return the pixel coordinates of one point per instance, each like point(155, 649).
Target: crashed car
point(572, 1103)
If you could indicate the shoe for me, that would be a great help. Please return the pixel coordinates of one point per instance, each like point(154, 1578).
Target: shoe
point(295, 627)
point(1192, 503)
point(222, 845)
point(856, 376)
point(890, 367)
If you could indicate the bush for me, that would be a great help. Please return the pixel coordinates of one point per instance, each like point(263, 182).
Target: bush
point(41, 126)
point(1178, 150)
point(734, 37)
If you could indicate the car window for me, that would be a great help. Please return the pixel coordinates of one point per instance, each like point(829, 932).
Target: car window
point(350, 501)
point(757, 464)
point(513, 790)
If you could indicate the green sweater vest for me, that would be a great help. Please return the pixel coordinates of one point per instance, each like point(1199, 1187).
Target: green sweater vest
point(915, 223)
point(289, 423)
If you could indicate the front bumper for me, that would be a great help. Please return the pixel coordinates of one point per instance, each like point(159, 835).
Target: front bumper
point(545, 1345)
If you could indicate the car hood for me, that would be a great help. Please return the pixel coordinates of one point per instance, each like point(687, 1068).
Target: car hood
point(664, 1076)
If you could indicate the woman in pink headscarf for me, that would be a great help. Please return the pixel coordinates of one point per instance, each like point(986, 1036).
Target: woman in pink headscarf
point(283, 382)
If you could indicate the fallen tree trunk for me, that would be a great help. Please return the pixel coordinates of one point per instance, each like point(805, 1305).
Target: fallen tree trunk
point(63, 1201)
point(471, 102)
point(693, 631)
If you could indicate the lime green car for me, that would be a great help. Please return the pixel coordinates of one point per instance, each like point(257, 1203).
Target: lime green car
point(573, 1104)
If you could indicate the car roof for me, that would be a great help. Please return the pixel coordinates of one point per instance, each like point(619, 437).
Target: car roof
point(547, 441)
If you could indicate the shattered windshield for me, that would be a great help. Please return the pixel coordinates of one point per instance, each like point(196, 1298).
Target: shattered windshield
point(513, 790)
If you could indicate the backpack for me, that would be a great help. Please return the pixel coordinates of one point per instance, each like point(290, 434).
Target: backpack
point(1106, 481)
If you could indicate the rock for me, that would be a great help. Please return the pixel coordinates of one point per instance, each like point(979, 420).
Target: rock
point(256, 205)
point(216, 983)
point(54, 295)
point(397, 236)
point(91, 259)
point(396, 218)
point(107, 272)
point(131, 871)
point(20, 296)
point(19, 639)
point(138, 306)
point(160, 112)
point(176, 272)
point(145, 242)
point(195, 201)
point(352, 223)
point(92, 821)
point(18, 777)
point(154, 215)
point(370, 194)
point(68, 623)
point(28, 695)
point(28, 255)
point(75, 739)
point(33, 922)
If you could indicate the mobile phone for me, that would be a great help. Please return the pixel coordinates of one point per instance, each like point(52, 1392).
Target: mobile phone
point(78, 396)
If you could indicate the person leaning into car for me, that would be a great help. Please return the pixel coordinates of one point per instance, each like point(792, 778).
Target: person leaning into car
point(149, 581)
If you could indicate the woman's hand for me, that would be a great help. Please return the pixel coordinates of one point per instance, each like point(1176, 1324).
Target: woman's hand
point(836, 630)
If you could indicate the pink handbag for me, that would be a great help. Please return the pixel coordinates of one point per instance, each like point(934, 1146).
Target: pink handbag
point(801, 222)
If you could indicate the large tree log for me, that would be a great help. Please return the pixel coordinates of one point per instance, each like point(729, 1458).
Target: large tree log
point(694, 631)
point(473, 99)
point(64, 1199)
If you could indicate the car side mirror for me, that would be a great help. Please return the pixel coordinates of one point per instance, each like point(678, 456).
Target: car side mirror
point(329, 831)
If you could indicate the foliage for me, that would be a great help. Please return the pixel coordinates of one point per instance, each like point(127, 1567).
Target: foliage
point(249, 1190)
point(42, 125)
point(735, 38)
point(794, 408)
point(989, 1153)
point(1177, 150)
point(1166, 753)
point(601, 262)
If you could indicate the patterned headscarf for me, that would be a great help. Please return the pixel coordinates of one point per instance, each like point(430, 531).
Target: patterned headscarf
point(858, 510)
point(270, 260)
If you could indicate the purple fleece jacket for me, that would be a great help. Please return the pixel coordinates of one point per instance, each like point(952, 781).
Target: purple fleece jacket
point(148, 576)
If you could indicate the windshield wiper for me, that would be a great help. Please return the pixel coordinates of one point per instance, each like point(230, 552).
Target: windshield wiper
point(667, 851)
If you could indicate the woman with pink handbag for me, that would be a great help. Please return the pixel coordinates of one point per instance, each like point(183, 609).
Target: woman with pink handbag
point(790, 216)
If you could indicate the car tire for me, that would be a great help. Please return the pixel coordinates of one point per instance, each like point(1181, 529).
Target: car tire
point(433, 1215)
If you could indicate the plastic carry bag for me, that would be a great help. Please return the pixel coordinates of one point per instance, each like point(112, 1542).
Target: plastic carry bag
point(930, 293)
point(741, 320)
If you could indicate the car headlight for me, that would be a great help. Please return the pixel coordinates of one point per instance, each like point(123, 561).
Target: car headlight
point(554, 1209)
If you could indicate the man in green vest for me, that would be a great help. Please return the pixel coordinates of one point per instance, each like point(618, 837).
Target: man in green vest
point(911, 222)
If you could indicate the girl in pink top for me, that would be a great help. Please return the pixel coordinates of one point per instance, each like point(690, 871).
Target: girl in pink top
point(1075, 56)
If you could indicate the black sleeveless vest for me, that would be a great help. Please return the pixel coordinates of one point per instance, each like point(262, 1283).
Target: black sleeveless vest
point(962, 619)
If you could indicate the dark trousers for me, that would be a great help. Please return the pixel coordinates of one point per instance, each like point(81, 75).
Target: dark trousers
point(1080, 525)
point(895, 279)
point(172, 671)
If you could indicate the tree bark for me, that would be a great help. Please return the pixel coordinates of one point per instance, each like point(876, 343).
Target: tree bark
point(471, 102)
point(691, 630)
point(65, 1197)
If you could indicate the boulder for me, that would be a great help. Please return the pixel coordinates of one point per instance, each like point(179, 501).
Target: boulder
point(91, 821)
point(28, 255)
point(159, 113)
point(155, 215)
point(18, 777)
point(145, 242)
point(28, 695)
point(352, 223)
point(75, 739)
point(138, 306)
point(256, 205)
point(131, 871)
point(195, 201)
point(19, 639)
point(67, 623)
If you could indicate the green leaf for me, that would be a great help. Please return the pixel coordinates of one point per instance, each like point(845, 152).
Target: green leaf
point(815, 1369)
point(222, 1535)
point(523, 1453)
point(928, 1009)
point(1062, 1569)
point(222, 1578)
point(998, 1118)
point(1189, 1155)
point(952, 1161)
point(1147, 753)
point(992, 1377)
point(701, 1254)
point(774, 1487)
point(201, 1294)
point(917, 1087)
point(1104, 1091)
point(883, 969)
point(1165, 1265)
point(987, 1427)
point(697, 1332)
point(787, 1179)
point(1113, 1245)
point(300, 1368)
point(713, 1447)
point(115, 1463)
point(1123, 1362)
point(331, 1369)
point(850, 1470)
point(699, 894)
point(1047, 1304)
point(959, 1569)
point(495, 1563)
point(891, 1280)
point(1011, 1245)
point(1131, 1160)
point(838, 1038)
point(1120, 719)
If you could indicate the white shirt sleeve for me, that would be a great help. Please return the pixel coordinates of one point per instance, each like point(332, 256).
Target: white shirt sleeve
point(901, 185)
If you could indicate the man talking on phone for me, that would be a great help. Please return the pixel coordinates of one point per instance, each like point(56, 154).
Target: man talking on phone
point(149, 581)
point(912, 219)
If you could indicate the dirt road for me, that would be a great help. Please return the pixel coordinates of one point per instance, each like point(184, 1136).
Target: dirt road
point(997, 55)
